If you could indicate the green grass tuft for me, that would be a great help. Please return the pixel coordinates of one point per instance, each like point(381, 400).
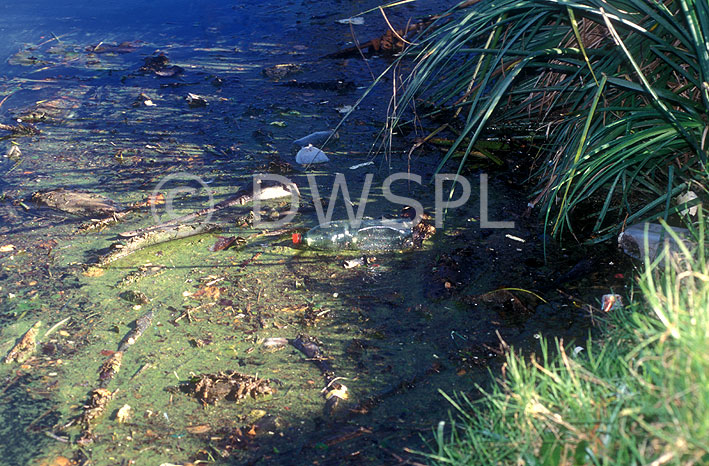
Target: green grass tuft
point(638, 396)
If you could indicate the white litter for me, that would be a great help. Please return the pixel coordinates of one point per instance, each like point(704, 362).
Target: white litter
point(687, 197)
point(360, 165)
point(310, 155)
point(634, 239)
point(356, 20)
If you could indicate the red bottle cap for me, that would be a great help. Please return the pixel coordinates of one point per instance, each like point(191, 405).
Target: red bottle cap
point(297, 238)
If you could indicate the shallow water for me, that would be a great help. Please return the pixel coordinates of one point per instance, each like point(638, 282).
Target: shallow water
point(397, 330)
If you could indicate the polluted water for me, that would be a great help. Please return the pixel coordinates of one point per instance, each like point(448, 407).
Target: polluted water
point(147, 317)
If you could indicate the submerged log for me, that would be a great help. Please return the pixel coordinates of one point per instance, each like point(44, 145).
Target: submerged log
point(142, 323)
point(20, 129)
point(110, 368)
point(262, 190)
point(122, 249)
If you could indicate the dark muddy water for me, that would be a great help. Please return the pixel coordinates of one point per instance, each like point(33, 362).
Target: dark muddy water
point(394, 332)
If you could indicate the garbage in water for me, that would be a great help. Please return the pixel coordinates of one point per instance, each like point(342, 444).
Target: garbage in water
point(275, 343)
point(310, 155)
point(369, 235)
point(194, 100)
point(355, 20)
point(644, 240)
point(689, 196)
point(360, 261)
point(144, 99)
point(178, 301)
point(360, 165)
point(611, 302)
point(14, 153)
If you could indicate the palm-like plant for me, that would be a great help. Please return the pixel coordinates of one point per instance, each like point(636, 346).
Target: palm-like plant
point(621, 88)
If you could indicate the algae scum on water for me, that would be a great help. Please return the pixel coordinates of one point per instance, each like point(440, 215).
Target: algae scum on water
point(227, 344)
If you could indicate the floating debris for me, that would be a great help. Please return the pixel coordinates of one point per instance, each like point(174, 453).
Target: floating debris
point(360, 165)
point(281, 71)
point(344, 109)
point(77, 202)
point(99, 398)
point(389, 43)
point(123, 47)
point(20, 129)
point(200, 342)
point(14, 153)
point(360, 261)
point(275, 343)
point(170, 71)
point(515, 238)
point(25, 347)
point(222, 243)
point(262, 189)
point(687, 197)
point(310, 155)
point(198, 429)
point(648, 240)
point(110, 368)
point(154, 63)
point(339, 85)
point(194, 100)
point(423, 230)
point(141, 325)
point(355, 21)
point(135, 297)
point(229, 385)
point(334, 391)
point(611, 302)
point(147, 238)
point(123, 414)
point(144, 100)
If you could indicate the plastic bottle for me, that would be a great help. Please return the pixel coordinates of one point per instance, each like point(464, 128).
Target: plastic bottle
point(370, 235)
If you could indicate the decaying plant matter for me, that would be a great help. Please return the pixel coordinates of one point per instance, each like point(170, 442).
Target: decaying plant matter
point(26, 346)
point(229, 385)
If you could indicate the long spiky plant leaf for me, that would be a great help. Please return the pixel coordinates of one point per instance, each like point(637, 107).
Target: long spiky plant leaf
point(534, 63)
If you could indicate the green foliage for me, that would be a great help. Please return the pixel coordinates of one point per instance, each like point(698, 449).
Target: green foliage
point(620, 88)
point(640, 396)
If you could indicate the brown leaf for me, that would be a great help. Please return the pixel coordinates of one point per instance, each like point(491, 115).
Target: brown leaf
point(199, 429)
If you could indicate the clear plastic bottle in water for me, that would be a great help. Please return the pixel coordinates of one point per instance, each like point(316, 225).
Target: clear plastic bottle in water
point(369, 235)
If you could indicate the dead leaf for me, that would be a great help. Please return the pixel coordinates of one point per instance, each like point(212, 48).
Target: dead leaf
point(212, 292)
point(198, 429)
